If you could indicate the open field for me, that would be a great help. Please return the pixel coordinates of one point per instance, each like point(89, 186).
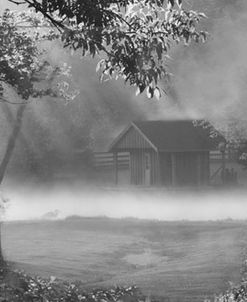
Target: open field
point(180, 261)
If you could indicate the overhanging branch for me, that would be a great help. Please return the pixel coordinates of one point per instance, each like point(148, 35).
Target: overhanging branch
point(3, 100)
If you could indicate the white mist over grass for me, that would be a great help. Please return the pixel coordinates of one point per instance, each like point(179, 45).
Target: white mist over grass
point(34, 203)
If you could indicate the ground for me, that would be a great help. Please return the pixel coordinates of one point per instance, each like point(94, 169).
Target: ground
point(178, 261)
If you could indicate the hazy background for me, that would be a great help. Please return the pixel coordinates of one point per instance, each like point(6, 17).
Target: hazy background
point(209, 82)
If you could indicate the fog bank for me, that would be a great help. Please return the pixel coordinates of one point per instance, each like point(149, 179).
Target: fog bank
point(144, 203)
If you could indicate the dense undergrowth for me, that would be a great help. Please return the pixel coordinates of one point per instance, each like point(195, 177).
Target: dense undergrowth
point(17, 286)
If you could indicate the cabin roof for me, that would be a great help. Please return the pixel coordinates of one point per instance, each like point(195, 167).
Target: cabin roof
point(173, 136)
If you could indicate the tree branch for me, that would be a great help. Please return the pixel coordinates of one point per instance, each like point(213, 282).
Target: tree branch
point(37, 7)
point(3, 100)
point(16, 2)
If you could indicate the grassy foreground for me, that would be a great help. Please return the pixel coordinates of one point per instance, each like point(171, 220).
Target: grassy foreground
point(172, 261)
point(18, 287)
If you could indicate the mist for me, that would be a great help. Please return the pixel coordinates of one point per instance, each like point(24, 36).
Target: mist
point(210, 80)
point(61, 201)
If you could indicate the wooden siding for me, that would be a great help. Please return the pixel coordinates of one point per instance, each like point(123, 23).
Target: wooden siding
point(105, 159)
point(138, 166)
point(184, 168)
point(132, 139)
point(192, 168)
point(165, 169)
point(204, 168)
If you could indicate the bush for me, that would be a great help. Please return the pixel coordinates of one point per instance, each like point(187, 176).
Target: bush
point(236, 293)
point(17, 286)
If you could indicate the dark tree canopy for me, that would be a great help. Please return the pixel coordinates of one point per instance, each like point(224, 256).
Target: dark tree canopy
point(133, 37)
point(23, 64)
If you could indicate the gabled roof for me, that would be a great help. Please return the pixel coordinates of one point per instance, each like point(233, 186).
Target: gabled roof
point(174, 136)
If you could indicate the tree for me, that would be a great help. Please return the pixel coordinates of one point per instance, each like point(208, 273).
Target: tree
point(3, 202)
point(133, 37)
point(25, 74)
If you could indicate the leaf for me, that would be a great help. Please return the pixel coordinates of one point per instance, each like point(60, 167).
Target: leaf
point(52, 279)
point(202, 15)
point(179, 3)
point(157, 93)
point(171, 3)
point(203, 36)
point(159, 51)
point(138, 91)
point(150, 92)
point(101, 77)
point(99, 65)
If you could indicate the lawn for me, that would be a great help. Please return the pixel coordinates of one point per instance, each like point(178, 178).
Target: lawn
point(178, 261)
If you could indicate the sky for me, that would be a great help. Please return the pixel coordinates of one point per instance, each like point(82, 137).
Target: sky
point(6, 4)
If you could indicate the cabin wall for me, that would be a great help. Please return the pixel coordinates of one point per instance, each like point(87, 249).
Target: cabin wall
point(141, 171)
point(204, 168)
point(169, 169)
point(192, 168)
point(165, 161)
point(184, 168)
point(132, 140)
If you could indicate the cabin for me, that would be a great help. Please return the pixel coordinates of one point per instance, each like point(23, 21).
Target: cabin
point(166, 153)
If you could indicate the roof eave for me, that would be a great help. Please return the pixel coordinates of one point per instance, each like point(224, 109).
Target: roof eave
point(187, 150)
point(144, 136)
point(111, 148)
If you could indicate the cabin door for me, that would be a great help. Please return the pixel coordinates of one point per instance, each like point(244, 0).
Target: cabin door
point(147, 168)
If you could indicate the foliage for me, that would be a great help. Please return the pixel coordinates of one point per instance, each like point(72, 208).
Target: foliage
point(231, 132)
point(133, 37)
point(235, 293)
point(242, 154)
point(18, 286)
point(236, 137)
point(22, 58)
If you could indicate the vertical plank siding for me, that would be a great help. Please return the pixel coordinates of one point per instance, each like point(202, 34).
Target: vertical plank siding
point(184, 168)
point(204, 162)
point(165, 168)
point(137, 167)
point(192, 168)
point(154, 168)
point(132, 140)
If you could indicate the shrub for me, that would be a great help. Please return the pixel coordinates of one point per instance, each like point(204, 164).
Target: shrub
point(17, 286)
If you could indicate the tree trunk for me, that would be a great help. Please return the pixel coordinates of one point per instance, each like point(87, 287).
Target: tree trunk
point(11, 118)
point(2, 263)
point(7, 156)
point(12, 141)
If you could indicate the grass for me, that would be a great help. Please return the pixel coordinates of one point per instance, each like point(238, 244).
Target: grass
point(178, 261)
